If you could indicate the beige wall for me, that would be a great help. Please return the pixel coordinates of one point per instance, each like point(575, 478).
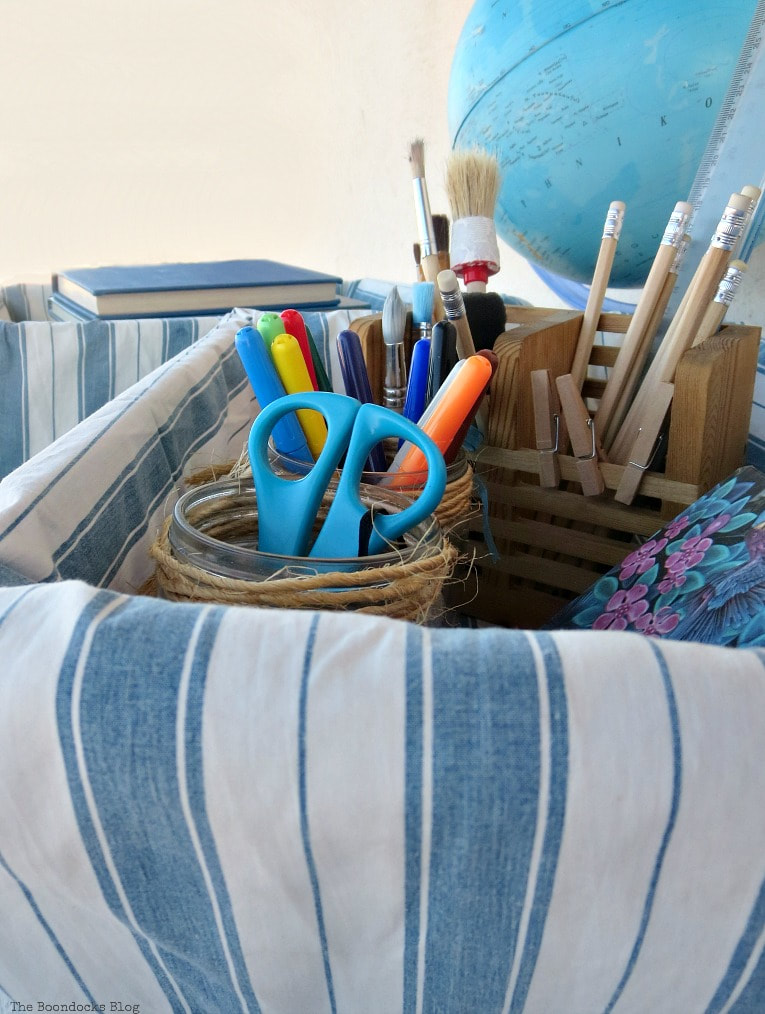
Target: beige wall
point(156, 130)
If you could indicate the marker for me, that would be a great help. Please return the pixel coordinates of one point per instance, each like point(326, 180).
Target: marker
point(288, 437)
point(295, 325)
point(457, 403)
point(270, 325)
point(325, 384)
point(293, 373)
point(356, 381)
point(406, 445)
point(414, 405)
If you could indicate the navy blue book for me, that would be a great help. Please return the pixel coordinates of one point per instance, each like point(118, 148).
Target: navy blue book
point(213, 287)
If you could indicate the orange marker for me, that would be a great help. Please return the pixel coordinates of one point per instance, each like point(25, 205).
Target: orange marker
point(295, 325)
point(293, 373)
point(458, 403)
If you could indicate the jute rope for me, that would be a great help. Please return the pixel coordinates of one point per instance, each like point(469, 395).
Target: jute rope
point(407, 590)
point(455, 506)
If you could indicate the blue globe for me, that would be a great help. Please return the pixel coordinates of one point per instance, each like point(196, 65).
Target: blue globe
point(589, 101)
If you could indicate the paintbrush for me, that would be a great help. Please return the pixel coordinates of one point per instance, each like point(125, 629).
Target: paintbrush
point(441, 232)
point(422, 309)
point(472, 186)
point(428, 247)
point(393, 328)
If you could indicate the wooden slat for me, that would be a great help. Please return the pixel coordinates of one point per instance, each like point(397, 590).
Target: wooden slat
point(550, 572)
point(569, 541)
point(654, 483)
point(561, 503)
point(525, 608)
point(603, 355)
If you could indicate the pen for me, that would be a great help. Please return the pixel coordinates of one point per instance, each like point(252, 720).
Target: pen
point(290, 365)
point(356, 381)
point(295, 325)
point(287, 435)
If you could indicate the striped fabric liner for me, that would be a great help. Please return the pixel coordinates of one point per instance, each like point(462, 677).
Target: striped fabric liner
point(89, 504)
point(221, 809)
point(55, 374)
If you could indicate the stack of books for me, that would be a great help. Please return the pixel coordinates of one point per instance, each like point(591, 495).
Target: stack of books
point(191, 290)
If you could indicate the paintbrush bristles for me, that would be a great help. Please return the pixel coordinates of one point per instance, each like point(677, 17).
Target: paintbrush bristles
point(472, 183)
point(393, 318)
point(417, 158)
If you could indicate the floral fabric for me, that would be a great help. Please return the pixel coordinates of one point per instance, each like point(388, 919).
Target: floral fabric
point(701, 578)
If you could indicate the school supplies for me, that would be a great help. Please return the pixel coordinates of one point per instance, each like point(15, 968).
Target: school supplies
point(458, 402)
point(416, 391)
point(295, 325)
point(270, 325)
point(289, 438)
point(293, 373)
point(288, 508)
point(472, 186)
point(454, 307)
point(611, 232)
point(356, 383)
point(393, 326)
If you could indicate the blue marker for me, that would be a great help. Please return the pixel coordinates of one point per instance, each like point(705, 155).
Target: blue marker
point(289, 439)
point(356, 381)
point(414, 405)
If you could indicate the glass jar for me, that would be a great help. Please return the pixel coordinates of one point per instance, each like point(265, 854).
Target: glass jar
point(214, 527)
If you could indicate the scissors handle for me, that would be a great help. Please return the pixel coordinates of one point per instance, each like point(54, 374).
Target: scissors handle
point(287, 508)
point(341, 528)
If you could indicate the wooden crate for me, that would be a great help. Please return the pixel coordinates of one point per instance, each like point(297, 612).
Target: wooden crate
point(554, 543)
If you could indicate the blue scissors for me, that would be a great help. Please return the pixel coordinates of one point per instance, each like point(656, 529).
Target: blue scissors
point(287, 508)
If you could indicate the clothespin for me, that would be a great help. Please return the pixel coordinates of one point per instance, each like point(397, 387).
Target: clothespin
point(547, 426)
point(581, 432)
point(646, 444)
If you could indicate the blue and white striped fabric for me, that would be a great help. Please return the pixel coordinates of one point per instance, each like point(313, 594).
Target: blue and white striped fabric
point(89, 505)
point(55, 374)
point(211, 808)
point(223, 809)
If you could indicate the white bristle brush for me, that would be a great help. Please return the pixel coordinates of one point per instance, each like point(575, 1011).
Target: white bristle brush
point(393, 328)
point(472, 187)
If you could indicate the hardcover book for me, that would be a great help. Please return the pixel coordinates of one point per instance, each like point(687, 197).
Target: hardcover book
point(700, 578)
point(212, 287)
point(62, 309)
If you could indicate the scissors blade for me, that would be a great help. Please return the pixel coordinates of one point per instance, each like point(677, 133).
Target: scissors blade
point(287, 508)
point(339, 535)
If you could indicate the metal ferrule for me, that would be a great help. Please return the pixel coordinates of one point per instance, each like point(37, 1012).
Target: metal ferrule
point(394, 383)
point(454, 304)
point(675, 230)
point(682, 248)
point(424, 217)
point(729, 229)
point(613, 224)
point(729, 285)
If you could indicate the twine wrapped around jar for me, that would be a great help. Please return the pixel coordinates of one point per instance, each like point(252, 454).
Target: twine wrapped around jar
point(456, 505)
point(404, 583)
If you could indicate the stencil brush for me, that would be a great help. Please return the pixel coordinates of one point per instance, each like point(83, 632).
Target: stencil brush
point(472, 187)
